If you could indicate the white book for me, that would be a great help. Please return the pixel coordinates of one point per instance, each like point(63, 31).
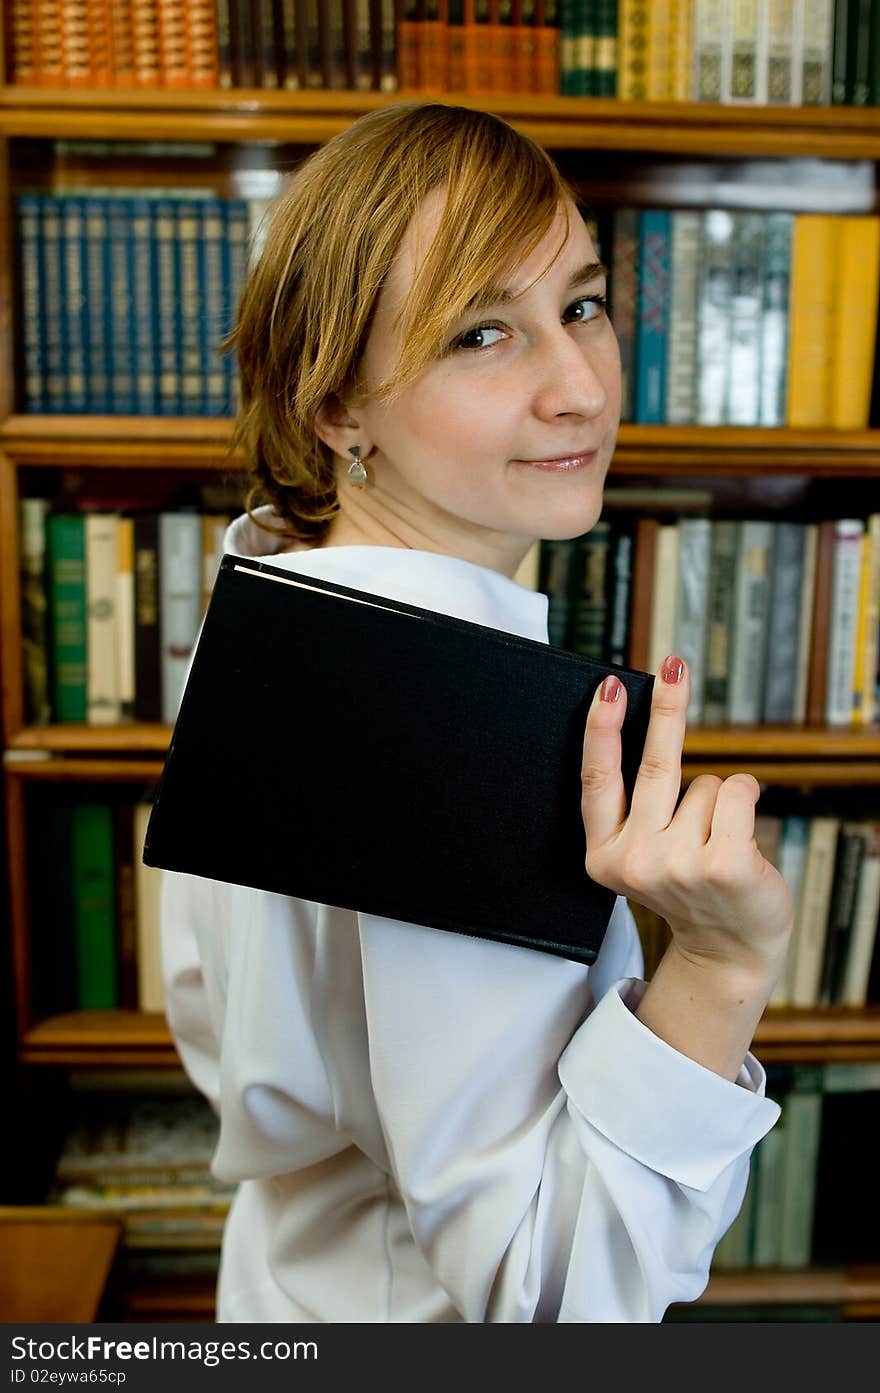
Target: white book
point(711, 53)
point(797, 52)
point(695, 544)
point(864, 930)
point(775, 317)
point(744, 73)
point(148, 885)
point(808, 595)
point(102, 690)
point(778, 18)
point(816, 50)
point(746, 328)
point(750, 622)
point(180, 598)
point(811, 925)
point(664, 595)
point(681, 343)
point(843, 622)
point(869, 630)
point(793, 848)
point(714, 315)
point(125, 627)
point(768, 1199)
point(803, 1107)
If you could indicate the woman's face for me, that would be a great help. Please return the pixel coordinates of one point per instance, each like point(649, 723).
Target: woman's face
point(531, 380)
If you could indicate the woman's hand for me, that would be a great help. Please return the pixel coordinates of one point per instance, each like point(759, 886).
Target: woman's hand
point(696, 865)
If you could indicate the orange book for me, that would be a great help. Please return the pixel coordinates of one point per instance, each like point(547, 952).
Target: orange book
point(455, 46)
point(121, 43)
point(855, 321)
point(815, 273)
point(100, 44)
point(432, 38)
point(145, 44)
point(46, 24)
point(173, 44)
point(477, 46)
point(502, 74)
point(76, 65)
point(203, 52)
point(23, 57)
point(546, 46)
point(408, 46)
point(524, 45)
point(817, 670)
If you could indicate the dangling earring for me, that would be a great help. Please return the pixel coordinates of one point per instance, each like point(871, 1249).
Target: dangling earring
point(356, 471)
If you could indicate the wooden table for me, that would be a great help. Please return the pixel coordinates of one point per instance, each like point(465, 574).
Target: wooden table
point(54, 1263)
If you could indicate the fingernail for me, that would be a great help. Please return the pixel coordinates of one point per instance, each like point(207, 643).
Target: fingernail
point(610, 689)
point(672, 669)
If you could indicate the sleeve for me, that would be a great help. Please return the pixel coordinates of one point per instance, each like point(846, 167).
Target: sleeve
point(558, 1161)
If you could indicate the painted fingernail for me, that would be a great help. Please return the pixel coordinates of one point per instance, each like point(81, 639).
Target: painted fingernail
point(610, 689)
point(672, 669)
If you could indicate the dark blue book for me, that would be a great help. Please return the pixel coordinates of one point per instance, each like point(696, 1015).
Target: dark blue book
point(98, 305)
point(190, 307)
point(31, 303)
point(166, 320)
point(653, 315)
point(122, 353)
point(237, 242)
point(74, 323)
point(141, 256)
point(215, 313)
point(53, 282)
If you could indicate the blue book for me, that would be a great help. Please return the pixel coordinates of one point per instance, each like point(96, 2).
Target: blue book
point(141, 250)
point(237, 237)
point(190, 306)
point(99, 308)
point(653, 315)
point(75, 326)
point(52, 288)
point(122, 336)
point(32, 317)
point(215, 316)
point(166, 321)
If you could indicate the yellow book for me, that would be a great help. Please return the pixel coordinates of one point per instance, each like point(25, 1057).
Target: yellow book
point(681, 51)
point(660, 50)
point(632, 51)
point(855, 325)
point(865, 668)
point(814, 290)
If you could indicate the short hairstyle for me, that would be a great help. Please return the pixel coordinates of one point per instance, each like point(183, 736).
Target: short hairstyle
point(330, 239)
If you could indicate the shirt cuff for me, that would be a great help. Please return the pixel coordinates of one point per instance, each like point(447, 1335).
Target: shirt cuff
point(658, 1105)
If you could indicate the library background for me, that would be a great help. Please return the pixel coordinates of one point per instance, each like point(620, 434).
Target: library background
point(728, 151)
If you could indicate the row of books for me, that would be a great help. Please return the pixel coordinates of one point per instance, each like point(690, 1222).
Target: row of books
point(745, 319)
point(831, 865)
point(811, 1197)
point(111, 609)
point(124, 300)
point(96, 916)
point(147, 1159)
point(779, 622)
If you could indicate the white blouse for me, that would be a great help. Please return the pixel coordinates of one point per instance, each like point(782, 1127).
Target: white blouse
point(432, 1127)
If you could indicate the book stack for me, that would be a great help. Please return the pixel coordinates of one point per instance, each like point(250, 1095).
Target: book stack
point(745, 319)
point(125, 300)
point(804, 1203)
point(779, 622)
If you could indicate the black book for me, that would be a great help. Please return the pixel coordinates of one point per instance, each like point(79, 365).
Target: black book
point(356, 751)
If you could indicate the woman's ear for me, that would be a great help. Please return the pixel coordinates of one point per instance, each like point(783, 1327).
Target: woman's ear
point(338, 428)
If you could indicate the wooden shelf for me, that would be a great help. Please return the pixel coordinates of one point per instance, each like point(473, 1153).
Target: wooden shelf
point(856, 1289)
point(111, 1038)
point(198, 442)
point(312, 117)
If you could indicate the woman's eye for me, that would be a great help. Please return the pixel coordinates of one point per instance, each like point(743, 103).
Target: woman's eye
point(595, 306)
point(591, 307)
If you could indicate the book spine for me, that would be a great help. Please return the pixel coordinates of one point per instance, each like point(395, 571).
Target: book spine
point(792, 867)
point(589, 604)
point(848, 534)
point(866, 915)
point(865, 702)
point(123, 329)
point(53, 290)
point(193, 322)
point(804, 1116)
point(854, 316)
point(659, 51)
point(266, 52)
point(745, 75)
point(166, 326)
point(434, 67)
point(812, 916)
point(51, 898)
point(24, 53)
point(714, 296)
point(94, 906)
point(148, 880)
point(173, 45)
point(841, 911)
point(786, 581)
point(126, 915)
point(362, 52)
point(768, 1214)
point(32, 309)
point(75, 53)
point(102, 695)
point(148, 687)
point(652, 322)
point(74, 320)
point(547, 57)
point(213, 317)
point(66, 565)
point(681, 361)
point(456, 48)
point(774, 322)
point(621, 594)
point(633, 18)
point(98, 297)
point(681, 62)
point(742, 406)
point(720, 618)
point(808, 604)
point(235, 267)
point(748, 659)
point(813, 291)
point(34, 611)
point(145, 45)
point(101, 42)
point(121, 45)
point(695, 546)
point(180, 591)
point(710, 56)
point(142, 277)
point(858, 57)
point(664, 610)
point(557, 578)
point(225, 73)
point(816, 56)
point(50, 45)
point(125, 673)
point(779, 47)
point(625, 300)
point(204, 71)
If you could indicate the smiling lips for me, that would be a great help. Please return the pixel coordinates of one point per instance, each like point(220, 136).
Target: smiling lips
point(564, 463)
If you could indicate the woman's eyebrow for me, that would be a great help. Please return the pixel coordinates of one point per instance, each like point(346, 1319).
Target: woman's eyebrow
point(497, 295)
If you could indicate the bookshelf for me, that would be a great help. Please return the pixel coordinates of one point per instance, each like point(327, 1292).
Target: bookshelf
point(151, 452)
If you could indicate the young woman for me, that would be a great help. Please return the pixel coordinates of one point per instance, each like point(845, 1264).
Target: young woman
point(426, 1126)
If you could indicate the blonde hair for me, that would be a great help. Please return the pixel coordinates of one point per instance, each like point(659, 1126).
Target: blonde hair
point(331, 237)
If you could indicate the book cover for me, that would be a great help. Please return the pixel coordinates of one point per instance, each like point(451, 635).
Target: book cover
point(866, 917)
point(557, 579)
point(589, 609)
point(721, 594)
point(31, 307)
point(803, 1109)
point(633, 20)
point(774, 318)
point(66, 566)
point(691, 622)
point(37, 706)
point(180, 594)
point(865, 705)
point(793, 846)
point(857, 279)
point(820, 623)
point(102, 703)
point(547, 76)
point(126, 914)
point(421, 853)
point(148, 885)
point(664, 594)
point(841, 910)
point(681, 348)
point(652, 322)
point(605, 48)
point(94, 917)
point(713, 299)
point(624, 296)
point(814, 289)
point(843, 626)
point(742, 402)
point(812, 918)
point(148, 686)
point(748, 652)
point(784, 615)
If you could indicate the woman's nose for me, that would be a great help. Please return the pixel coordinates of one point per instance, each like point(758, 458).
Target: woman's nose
point(572, 376)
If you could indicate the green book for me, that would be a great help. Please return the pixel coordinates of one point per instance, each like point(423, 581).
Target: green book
point(66, 569)
point(94, 908)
